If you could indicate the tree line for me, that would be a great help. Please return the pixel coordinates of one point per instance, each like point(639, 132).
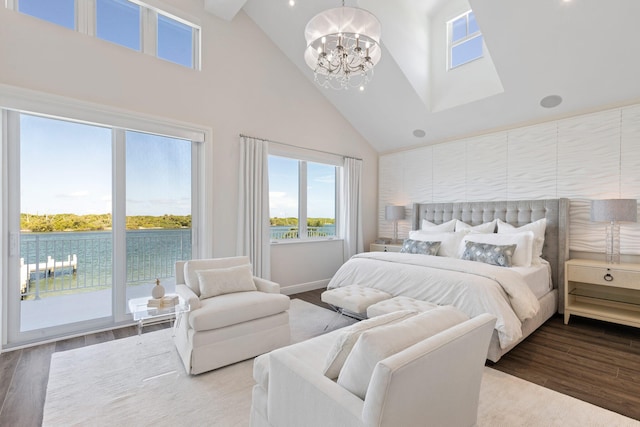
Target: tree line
point(293, 222)
point(98, 222)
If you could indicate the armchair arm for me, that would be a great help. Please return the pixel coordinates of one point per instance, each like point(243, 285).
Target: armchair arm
point(299, 396)
point(188, 295)
point(265, 285)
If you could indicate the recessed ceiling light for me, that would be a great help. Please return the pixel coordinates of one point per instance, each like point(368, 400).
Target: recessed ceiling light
point(293, 3)
point(419, 133)
point(551, 101)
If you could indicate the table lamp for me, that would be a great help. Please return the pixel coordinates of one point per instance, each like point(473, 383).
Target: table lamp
point(614, 211)
point(394, 213)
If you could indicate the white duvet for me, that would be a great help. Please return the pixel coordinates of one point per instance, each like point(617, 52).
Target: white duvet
point(473, 287)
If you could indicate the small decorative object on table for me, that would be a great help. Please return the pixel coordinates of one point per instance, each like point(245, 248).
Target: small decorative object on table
point(158, 290)
point(164, 302)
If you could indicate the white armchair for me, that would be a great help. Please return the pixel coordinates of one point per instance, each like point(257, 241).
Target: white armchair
point(435, 382)
point(228, 326)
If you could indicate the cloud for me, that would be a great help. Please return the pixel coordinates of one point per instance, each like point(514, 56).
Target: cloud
point(74, 195)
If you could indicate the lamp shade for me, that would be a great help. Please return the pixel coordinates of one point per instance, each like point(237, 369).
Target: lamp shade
point(394, 213)
point(614, 210)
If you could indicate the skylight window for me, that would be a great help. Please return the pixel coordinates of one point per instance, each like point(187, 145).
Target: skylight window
point(465, 40)
point(60, 12)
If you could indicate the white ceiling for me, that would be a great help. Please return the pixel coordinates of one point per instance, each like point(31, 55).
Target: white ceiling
point(586, 51)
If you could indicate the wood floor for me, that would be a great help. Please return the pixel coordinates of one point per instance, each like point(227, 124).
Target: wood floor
point(597, 362)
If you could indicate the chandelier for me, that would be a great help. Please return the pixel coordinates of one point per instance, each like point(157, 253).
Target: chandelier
point(343, 46)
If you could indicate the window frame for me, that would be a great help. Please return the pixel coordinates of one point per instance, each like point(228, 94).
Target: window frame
point(303, 157)
point(86, 18)
point(466, 39)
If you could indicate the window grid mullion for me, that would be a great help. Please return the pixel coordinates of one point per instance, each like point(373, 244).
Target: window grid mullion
point(302, 197)
point(149, 31)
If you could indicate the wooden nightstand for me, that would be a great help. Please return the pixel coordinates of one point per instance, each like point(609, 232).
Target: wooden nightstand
point(389, 247)
point(602, 291)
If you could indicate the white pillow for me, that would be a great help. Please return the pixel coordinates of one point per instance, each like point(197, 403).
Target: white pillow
point(221, 281)
point(449, 242)
point(379, 343)
point(537, 227)
point(349, 335)
point(438, 228)
point(487, 227)
point(523, 241)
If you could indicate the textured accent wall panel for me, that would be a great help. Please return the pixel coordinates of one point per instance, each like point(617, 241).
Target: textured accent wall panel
point(630, 158)
point(449, 174)
point(532, 163)
point(486, 176)
point(390, 184)
point(589, 156)
point(418, 175)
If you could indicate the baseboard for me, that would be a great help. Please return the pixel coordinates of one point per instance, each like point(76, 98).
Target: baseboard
point(304, 287)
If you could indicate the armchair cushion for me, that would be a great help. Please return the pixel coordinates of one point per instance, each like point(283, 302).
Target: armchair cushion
point(235, 308)
point(221, 281)
point(348, 336)
point(379, 343)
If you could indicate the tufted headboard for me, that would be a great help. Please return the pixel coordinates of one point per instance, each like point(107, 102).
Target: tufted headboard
point(517, 213)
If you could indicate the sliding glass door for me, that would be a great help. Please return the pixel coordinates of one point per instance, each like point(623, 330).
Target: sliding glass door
point(97, 215)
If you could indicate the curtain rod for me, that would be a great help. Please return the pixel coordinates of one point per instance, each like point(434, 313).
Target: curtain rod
point(302, 148)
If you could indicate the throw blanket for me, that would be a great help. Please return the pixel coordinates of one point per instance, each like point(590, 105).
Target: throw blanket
point(473, 287)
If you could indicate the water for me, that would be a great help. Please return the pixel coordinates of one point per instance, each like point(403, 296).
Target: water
point(150, 254)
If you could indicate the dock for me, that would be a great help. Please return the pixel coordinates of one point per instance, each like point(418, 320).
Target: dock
point(47, 269)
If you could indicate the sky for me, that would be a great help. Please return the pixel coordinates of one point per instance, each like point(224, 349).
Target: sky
point(283, 189)
point(65, 167)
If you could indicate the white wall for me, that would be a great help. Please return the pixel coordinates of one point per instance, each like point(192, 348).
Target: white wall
point(246, 86)
point(592, 156)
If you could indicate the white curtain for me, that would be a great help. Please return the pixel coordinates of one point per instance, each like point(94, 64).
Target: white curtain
point(350, 207)
point(253, 205)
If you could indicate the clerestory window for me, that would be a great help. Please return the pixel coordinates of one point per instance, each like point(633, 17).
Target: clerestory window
point(129, 23)
point(465, 40)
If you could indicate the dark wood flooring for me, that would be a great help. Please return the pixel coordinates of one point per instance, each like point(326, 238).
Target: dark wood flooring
point(594, 361)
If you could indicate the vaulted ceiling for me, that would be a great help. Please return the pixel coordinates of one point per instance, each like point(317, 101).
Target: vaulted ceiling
point(585, 51)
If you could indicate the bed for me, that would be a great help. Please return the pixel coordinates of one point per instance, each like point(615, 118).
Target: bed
point(522, 298)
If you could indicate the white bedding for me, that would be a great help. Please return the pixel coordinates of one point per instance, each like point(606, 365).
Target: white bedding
point(537, 277)
point(473, 287)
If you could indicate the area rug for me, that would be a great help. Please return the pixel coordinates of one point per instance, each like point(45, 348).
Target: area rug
point(140, 381)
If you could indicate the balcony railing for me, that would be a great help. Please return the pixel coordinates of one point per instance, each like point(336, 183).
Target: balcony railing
point(283, 232)
point(72, 262)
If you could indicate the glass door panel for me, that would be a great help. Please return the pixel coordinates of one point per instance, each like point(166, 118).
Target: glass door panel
point(65, 222)
point(158, 210)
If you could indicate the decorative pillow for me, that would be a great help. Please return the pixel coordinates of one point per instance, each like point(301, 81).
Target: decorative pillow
point(523, 241)
point(487, 227)
point(420, 247)
point(499, 255)
point(221, 281)
point(349, 335)
point(379, 343)
point(449, 242)
point(439, 228)
point(191, 266)
point(537, 227)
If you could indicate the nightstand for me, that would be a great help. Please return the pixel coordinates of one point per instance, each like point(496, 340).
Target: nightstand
point(389, 247)
point(602, 291)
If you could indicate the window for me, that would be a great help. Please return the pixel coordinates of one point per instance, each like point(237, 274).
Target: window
point(131, 24)
point(175, 41)
point(302, 199)
point(465, 40)
point(61, 12)
point(118, 21)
